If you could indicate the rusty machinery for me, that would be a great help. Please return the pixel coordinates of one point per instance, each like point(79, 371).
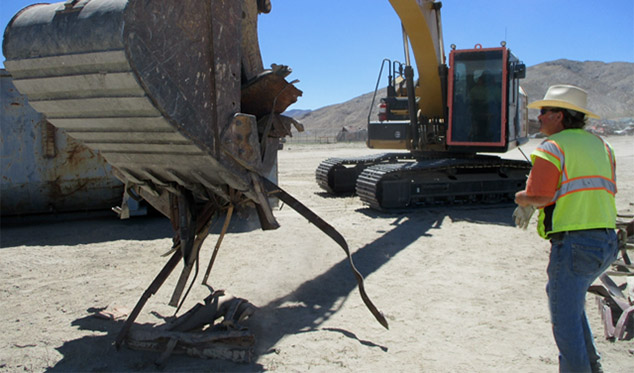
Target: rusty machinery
point(174, 96)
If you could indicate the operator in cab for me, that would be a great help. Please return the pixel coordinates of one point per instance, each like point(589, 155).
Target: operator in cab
point(573, 185)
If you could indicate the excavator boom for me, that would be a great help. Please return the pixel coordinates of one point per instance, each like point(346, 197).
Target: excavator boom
point(422, 26)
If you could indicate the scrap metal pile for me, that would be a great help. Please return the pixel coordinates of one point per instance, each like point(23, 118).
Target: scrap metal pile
point(212, 329)
point(174, 96)
point(616, 302)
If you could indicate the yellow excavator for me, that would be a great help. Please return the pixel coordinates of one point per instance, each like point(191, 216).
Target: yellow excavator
point(439, 124)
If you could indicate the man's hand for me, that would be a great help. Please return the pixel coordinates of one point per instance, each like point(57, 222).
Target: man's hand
point(522, 215)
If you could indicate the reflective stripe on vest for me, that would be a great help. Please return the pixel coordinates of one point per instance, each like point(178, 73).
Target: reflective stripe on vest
point(585, 183)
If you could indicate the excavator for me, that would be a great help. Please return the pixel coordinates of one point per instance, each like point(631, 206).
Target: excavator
point(438, 125)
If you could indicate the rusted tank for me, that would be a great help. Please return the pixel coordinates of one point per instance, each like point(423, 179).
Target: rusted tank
point(43, 169)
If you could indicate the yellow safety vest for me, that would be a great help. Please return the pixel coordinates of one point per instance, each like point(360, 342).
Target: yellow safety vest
point(587, 183)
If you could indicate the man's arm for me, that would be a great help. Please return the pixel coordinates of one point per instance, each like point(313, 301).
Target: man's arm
point(541, 185)
point(523, 199)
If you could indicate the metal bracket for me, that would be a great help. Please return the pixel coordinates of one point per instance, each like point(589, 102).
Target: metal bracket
point(240, 141)
point(73, 6)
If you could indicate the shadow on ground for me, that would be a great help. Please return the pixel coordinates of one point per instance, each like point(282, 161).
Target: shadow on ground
point(102, 229)
point(97, 353)
point(301, 311)
point(317, 300)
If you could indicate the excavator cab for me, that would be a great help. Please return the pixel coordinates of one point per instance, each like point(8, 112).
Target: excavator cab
point(486, 106)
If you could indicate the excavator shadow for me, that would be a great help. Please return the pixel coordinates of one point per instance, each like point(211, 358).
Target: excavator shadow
point(303, 310)
point(495, 214)
point(316, 300)
point(327, 195)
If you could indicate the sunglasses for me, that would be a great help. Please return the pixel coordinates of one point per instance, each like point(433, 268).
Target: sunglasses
point(545, 110)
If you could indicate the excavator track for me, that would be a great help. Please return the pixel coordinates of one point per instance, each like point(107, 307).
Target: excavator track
point(339, 175)
point(482, 179)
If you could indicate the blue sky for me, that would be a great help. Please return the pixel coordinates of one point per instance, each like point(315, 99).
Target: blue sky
point(335, 47)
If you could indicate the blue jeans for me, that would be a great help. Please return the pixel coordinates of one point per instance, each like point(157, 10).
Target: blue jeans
point(577, 258)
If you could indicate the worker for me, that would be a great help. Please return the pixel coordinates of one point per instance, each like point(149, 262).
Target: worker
point(573, 184)
point(486, 108)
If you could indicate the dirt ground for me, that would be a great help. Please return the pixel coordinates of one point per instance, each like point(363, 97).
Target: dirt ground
point(462, 288)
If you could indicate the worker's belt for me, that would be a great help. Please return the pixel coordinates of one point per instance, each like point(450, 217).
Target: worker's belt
point(561, 235)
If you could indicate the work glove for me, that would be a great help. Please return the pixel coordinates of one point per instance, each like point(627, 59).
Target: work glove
point(522, 215)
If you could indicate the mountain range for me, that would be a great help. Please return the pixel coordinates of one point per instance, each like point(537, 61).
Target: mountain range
point(610, 88)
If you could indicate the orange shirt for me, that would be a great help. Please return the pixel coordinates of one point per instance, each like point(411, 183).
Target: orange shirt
point(543, 179)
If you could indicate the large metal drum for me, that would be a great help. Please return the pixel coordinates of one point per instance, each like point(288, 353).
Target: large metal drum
point(43, 169)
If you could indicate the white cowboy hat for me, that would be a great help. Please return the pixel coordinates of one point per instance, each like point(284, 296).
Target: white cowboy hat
point(567, 97)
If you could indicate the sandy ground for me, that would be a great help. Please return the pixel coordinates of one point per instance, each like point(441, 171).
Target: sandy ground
point(462, 288)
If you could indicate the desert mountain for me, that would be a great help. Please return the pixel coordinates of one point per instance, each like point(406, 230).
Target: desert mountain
point(610, 88)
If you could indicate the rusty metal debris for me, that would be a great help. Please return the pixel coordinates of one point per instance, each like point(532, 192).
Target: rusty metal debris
point(616, 302)
point(213, 329)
